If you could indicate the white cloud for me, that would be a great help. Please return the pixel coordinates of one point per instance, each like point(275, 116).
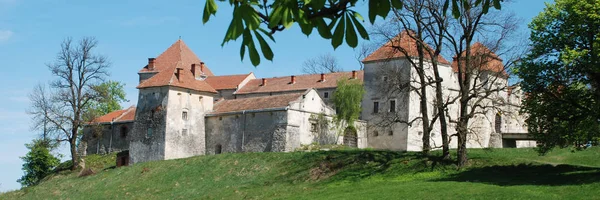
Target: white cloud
point(5, 35)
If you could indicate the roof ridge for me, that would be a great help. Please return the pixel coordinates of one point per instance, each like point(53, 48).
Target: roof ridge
point(127, 110)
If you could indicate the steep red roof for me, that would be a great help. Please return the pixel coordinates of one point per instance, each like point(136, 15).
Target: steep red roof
point(303, 82)
point(255, 103)
point(483, 58)
point(117, 116)
point(178, 56)
point(226, 82)
point(178, 52)
point(402, 41)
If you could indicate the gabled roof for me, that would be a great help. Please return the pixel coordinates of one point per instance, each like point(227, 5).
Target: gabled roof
point(303, 82)
point(404, 41)
point(484, 57)
point(226, 82)
point(124, 115)
point(256, 103)
point(178, 56)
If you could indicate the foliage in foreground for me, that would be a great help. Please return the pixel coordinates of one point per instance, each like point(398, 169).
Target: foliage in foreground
point(39, 162)
point(561, 75)
point(334, 20)
point(348, 174)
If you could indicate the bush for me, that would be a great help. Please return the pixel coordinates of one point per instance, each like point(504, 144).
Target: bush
point(39, 162)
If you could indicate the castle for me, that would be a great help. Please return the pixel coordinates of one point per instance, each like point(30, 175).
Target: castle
point(184, 110)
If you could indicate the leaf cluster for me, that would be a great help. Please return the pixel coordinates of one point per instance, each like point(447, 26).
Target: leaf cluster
point(334, 20)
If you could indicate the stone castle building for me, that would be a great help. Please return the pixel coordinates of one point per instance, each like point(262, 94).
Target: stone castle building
point(185, 110)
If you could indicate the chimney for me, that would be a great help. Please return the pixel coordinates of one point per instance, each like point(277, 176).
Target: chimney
point(264, 82)
point(354, 76)
point(178, 74)
point(322, 77)
point(151, 63)
point(293, 79)
point(202, 67)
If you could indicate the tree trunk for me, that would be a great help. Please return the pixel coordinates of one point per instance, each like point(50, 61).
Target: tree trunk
point(73, 145)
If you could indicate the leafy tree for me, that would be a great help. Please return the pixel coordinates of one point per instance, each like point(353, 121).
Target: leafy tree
point(561, 75)
point(112, 93)
point(77, 70)
point(255, 19)
point(347, 98)
point(39, 162)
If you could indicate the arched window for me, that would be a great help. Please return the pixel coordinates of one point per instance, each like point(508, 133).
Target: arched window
point(218, 149)
point(498, 123)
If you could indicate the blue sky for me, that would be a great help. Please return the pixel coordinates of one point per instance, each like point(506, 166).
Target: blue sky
point(129, 32)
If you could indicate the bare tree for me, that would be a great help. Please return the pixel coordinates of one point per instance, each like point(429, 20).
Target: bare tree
point(325, 63)
point(420, 42)
point(77, 70)
point(363, 51)
point(481, 73)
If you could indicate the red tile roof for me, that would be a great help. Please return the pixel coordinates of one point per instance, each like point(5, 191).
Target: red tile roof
point(178, 56)
point(226, 82)
point(491, 62)
point(176, 53)
point(256, 103)
point(402, 41)
point(117, 116)
point(303, 82)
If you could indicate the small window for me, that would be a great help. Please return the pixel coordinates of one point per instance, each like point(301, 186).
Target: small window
point(149, 132)
point(384, 78)
point(391, 133)
point(124, 131)
point(326, 95)
point(392, 105)
point(375, 133)
point(184, 115)
point(200, 99)
point(375, 107)
point(184, 132)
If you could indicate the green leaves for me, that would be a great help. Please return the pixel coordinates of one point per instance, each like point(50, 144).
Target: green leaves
point(333, 19)
point(380, 8)
point(210, 8)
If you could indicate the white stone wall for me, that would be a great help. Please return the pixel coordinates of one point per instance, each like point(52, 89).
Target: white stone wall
point(409, 136)
point(186, 137)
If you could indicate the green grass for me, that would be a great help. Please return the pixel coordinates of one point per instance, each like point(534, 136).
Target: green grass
point(344, 174)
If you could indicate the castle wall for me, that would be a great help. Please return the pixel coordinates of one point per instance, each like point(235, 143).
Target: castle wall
point(184, 135)
point(248, 131)
point(147, 138)
point(107, 138)
point(386, 130)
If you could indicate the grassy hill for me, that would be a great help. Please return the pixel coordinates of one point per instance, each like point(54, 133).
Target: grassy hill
point(351, 174)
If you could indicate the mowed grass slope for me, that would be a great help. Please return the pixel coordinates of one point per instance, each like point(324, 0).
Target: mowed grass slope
point(350, 174)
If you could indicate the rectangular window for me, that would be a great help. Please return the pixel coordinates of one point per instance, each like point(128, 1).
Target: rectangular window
point(149, 132)
point(391, 133)
point(184, 115)
point(392, 105)
point(326, 95)
point(184, 132)
point(384, 78)
point(375, 107)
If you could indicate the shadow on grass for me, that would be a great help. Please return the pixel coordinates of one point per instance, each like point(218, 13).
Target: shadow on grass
point(353, 165)
point(528, 174)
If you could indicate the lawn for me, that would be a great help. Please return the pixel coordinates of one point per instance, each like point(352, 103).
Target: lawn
point(348, 174)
